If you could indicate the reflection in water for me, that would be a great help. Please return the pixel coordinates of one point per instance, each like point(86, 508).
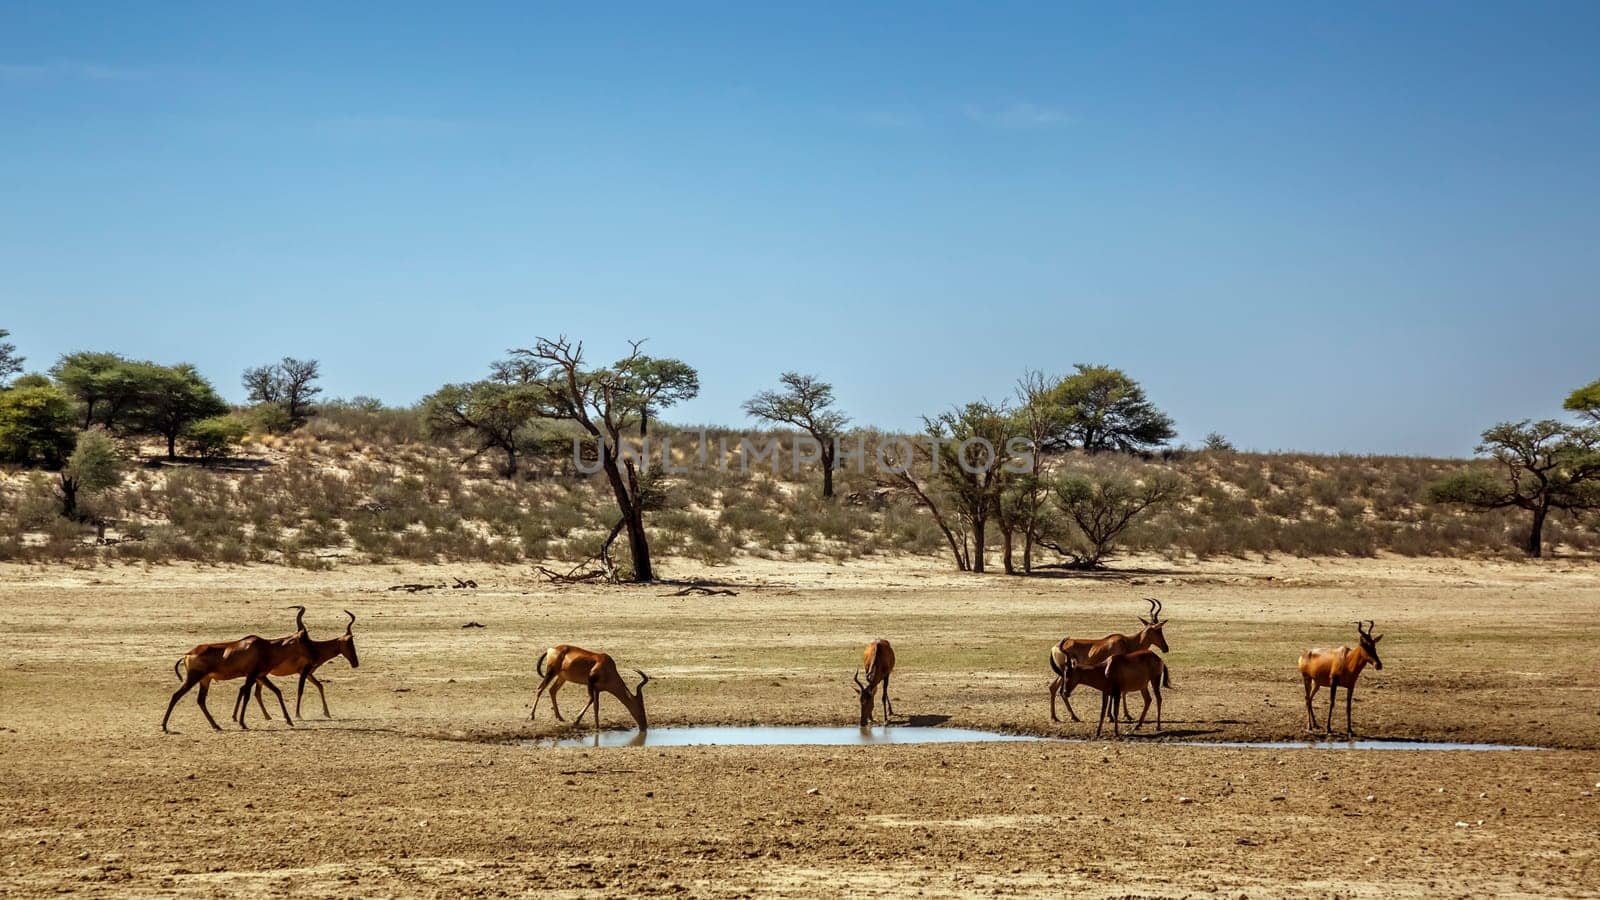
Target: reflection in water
point(689, 736)
point(802, 735)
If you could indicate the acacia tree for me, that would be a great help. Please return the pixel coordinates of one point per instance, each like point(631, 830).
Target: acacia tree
point(178, 397)
point(1040, 419)
point(35, 423)
point(93, 467)
point(287, 383)
point(496, 415)
point(1100, 507)
point(1584, 401)
point(109, 386)
point(1104, 409)
point(899, 461)
point(10, 362)
point(602, 402)
point(805, 402)
point(657, 383)
point(1544, 466)
point(971, 464)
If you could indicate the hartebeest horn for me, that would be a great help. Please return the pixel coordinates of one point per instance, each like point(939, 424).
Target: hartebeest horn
point(643, 680)
point(299, 617)
point(350, 624)
point(857, 678)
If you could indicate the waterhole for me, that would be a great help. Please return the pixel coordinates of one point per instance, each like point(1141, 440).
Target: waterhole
point(805, 735)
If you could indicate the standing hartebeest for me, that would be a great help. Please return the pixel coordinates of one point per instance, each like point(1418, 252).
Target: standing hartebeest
point(597, 672)
point(1094, 676)
point(304, 657)
point(1132, 672)
point(878, 660)
point(1094, 652)
point(248, 658)
point(1336, 669)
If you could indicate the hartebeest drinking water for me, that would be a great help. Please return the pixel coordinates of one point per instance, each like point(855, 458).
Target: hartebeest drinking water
point(1095, 652)
point(1336, 669)
point(303, 657)
point(597, 673)
point(1129, 672)
point(878, 660)
point(247, 658)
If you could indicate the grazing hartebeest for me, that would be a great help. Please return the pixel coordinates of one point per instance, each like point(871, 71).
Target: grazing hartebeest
point(1336, 669)
point(247, 658)
point(597, 672)
point(305, 656)
point(1132, 672)
point(878, 660)
point(1094, 652)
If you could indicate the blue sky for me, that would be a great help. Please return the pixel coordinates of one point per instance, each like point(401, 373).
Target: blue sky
point(1362, 227)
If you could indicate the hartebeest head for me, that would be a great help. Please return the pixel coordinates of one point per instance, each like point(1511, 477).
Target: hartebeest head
point(1369, 643)
point(864, 694)
point(1150, 635)
point(347, 642)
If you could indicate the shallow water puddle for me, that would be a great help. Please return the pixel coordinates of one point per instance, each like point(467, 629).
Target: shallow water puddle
point(805, 735)
point(784, 735)
point(1358, 745)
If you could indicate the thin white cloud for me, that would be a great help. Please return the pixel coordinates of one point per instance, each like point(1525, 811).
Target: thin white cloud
point(66, 70)
point(1017, 115)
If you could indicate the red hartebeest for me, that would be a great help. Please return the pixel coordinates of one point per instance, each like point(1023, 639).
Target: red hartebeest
point(247, 658)
point(1336, 669)
point(1095, 677)
point(597, 672)
point(878, 660)
point(303, 658)
point(1094, 652)
point(1132, 672)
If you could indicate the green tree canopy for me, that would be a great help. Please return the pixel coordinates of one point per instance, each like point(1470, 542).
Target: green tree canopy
point(214, 438)
point(1542, 467)
point(1586, 401)
point(805, 402)
point(1101, 408)
point(35, 423)
point(655, 383)
point(1097, 507)
point(10, 362)
point(107, 386)
point(93, 467)
point(493, 414)
point(179, 396)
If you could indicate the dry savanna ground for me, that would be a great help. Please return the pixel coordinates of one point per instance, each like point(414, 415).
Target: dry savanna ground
point(411, 789)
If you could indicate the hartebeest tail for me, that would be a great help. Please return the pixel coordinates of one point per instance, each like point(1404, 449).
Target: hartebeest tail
point(1095, 651)
point(878, 660)
point(597, 672)
point(1336, 669)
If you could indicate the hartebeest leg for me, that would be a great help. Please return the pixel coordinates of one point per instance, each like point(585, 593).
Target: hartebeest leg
point(1116, 706)
point(243, 704)
point(1333, 694)
point(178, 695)
point(279, 694)
point(556, 686)
point(1055, 688)
point(888, 710)
point(1144, 692)
point(322, 696)
point(301, 693)
point(200, 698)
point(1155, 686)
point(1311, 718)
point(1105, 703)
point(543, 686)
point(263, 704)
point(1066, 697)
point(1349, 694)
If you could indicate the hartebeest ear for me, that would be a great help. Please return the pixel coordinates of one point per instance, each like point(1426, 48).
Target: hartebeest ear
point(1377, 639)
point(1143, 621)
